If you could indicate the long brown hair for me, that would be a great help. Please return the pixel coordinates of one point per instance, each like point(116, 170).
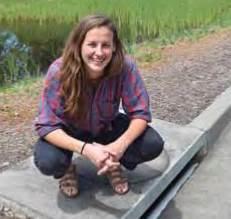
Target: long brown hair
point(73, 76)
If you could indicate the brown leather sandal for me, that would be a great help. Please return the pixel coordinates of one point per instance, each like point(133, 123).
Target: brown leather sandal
point(68, 184)
point(118, 182)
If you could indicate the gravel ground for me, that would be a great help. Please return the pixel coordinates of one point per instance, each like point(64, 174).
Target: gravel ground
point(193, 75)
point(181, 86)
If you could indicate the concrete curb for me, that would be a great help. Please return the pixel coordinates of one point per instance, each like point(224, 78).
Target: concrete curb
point(214, 118)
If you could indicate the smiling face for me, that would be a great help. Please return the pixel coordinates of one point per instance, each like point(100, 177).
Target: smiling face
point(96, 51)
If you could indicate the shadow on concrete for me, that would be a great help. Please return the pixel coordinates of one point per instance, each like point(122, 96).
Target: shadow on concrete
point(96, 192)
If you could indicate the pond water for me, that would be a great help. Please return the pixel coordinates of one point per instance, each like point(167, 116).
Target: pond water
point(24, 40)
point(15, 58)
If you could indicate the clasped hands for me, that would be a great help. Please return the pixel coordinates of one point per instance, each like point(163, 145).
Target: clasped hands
point(104, 157)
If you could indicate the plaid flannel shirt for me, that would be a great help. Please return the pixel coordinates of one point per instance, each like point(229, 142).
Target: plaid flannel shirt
point(103, 103)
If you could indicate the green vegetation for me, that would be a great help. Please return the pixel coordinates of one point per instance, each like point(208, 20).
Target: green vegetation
point(30, 86)
point(45, 24)
point(136, 19)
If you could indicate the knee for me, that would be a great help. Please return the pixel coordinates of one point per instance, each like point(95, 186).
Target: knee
point(153, 147)
point(158, 155)
point(50, 164)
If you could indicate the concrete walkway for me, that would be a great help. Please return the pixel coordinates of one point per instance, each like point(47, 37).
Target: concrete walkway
point(207, 195)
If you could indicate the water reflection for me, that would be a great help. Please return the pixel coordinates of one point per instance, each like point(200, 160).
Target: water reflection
point(46, 39)
point(15, 58)
point(28, 45)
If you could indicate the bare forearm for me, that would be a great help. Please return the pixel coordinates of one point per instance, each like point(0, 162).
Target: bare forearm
point(61, 139)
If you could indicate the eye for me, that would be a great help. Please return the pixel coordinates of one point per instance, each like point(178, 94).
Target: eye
point(92, 44)
point(106, 45)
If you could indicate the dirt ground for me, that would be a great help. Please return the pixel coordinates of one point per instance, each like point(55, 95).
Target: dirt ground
point(186, 80)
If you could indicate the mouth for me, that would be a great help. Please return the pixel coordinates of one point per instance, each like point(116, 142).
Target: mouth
point(98, 61)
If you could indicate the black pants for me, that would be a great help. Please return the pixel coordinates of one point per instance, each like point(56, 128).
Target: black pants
point(54, 161)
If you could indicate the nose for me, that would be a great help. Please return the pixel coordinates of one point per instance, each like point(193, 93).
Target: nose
point(99, 50)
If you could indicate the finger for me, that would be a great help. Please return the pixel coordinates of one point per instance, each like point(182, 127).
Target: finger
point(110, 163)
point(104, 158)
point(103, 155)
point(103, 170)
point(113, 168)
point(111, 152)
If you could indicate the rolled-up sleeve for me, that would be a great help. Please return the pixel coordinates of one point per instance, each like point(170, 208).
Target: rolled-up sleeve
point(50, 108)
point(135, 99)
